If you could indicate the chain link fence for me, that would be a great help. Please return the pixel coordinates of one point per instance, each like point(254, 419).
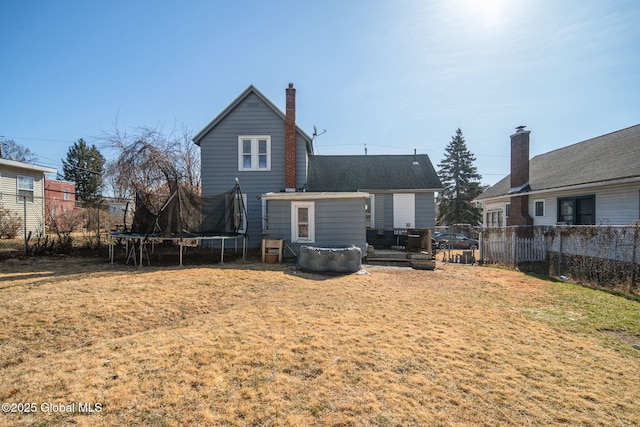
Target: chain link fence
point(32, 225)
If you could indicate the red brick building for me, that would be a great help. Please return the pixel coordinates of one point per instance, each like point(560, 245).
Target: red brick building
point(60, 203)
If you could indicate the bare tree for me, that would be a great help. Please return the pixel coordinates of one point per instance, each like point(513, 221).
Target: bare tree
point(147, 160)
point(10, 149)
point(188, 155)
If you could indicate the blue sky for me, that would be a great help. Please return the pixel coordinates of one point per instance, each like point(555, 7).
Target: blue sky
point(394, 75)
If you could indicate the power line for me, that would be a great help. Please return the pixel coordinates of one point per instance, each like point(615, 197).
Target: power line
point(34, 139)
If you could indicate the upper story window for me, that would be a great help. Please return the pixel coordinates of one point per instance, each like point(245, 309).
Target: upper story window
point(254, 153)
point(539, 207)
point(25, 188)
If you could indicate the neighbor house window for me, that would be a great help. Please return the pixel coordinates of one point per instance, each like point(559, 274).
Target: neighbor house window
point(507, 210)
point(539, 207)
point(577, 210)
point(25, 188)
point(303, 222)
point(67, 195)
point(254, 153)
point(369, 205)
point(494, 218)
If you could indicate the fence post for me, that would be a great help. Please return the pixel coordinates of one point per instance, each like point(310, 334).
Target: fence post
point(514, 248)
point(24, 225)
point(560, 255)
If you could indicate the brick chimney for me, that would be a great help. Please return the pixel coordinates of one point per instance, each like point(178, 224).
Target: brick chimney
point(290, 140)
point(520, 178)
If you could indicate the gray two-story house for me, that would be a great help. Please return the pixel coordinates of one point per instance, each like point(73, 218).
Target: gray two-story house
point(305, 199)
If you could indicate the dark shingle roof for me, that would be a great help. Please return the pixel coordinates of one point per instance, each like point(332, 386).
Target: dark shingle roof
point(608, 157)
point(353, 173)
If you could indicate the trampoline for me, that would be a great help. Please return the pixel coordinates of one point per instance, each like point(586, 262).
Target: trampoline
point(185, 219)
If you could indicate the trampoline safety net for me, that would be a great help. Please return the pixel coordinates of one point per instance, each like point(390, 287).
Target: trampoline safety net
point(185, 213)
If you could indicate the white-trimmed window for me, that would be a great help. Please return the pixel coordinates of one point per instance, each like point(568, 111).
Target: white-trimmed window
point(494, 218)
point(254, 153)
point(67, 194)
point(303, 227)
point(538, 207)
point(25, 188)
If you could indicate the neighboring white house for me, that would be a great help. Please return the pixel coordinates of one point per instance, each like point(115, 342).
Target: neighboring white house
point(22, 192)
point(596, 181)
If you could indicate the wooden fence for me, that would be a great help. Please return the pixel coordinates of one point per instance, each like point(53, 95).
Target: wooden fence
point(509, 249)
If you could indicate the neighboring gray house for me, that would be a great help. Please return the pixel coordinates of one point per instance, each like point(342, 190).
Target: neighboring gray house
point(596, 181)
point(22, 192)
point(294, 195)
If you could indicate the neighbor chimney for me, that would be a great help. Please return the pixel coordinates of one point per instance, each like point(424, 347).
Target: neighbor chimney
point(520, 178)
point(290, 140)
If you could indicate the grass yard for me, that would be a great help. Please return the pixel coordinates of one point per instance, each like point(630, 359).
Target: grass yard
point(251, 344)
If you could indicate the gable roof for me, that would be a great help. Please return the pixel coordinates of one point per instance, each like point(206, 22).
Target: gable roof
point(248, 91)
point(609, 157)
point(380, 172)
point(26, 166)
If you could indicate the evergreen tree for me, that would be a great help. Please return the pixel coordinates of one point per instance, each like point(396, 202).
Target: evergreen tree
point(461, 183)
point(84, 166)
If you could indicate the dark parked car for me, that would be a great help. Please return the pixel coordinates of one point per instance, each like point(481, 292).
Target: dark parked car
point(454, 241)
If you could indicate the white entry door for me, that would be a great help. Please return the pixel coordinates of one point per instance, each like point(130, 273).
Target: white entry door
point(404, 210)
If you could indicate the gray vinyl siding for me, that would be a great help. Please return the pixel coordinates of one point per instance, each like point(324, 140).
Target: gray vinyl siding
point(338, 222)
point(219, 158)
point(379, 210)
point(388, 211)
point(425, 210)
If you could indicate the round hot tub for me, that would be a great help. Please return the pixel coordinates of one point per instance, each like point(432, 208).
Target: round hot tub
point(330, 259)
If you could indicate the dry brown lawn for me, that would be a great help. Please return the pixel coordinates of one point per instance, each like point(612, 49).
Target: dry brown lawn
point(251, 344)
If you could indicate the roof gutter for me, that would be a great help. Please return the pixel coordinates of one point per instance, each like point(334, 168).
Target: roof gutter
point(400, 190)
point(27, 166)
point(314, 195)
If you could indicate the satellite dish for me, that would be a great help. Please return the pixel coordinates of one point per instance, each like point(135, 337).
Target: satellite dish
point(315, 131)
